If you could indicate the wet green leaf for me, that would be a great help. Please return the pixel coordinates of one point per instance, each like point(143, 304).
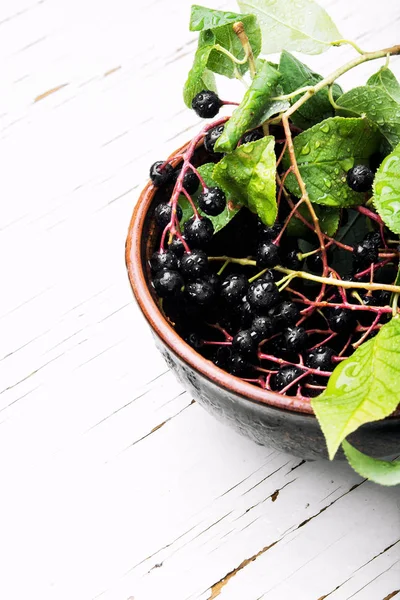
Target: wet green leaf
point(248, 173)
point(387, 190)
point(302, 25)
point(325, 153)
point(200, 77)
point(296, 75)
point(328, 216)
point(386, 80)
point(363, 388)
point(219, 222)
point(378, 471)
point(253, 108)
point(378, 106)
point(221, 22)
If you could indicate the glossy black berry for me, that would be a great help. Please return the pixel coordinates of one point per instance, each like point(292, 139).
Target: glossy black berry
point(167, 283)
point(294, 339)
point(238, 365)
point(267, 255)
point(365, 254)
point(212, 201)
point(200, 292)
point(233, 288)
point(190, 180)
point(198, 232)
point(262, 295)
point(360, 178)
point(252, 136)
point(373, 239)
point(284, 377)
point(163, 212)
point(211, 137)
point(341, 319)
point(161, 173)
point(268, 234)
point(285, 314)
point(246, 313)
point(206, 104)
point(214, 280)
point(222, 357)
point(194, 265)
point(177, 247)
point(194, 340)
point(291, 259)
point(164, 260)
point(261, 328)
point(244, 343)
point(320, 358)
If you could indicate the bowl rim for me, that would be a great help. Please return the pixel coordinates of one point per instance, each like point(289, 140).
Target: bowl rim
point(166, 332)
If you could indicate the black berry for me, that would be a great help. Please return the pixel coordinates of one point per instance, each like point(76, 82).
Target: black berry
point(341, 319)
point(246, 313)
point(267, 255)
point(198, 232)
point(291, 259)
point(161, 173)
point(206, 104)
point(190, 180)
point(194, 265)
point(360, 178)
point(284, 377)
point(244, 343)
point(284, 314)
point(294, 339)
point(167, 283)
point(163, 213)
point(194, 340)
point(222, 357)
point(164, 260)
point(233, 288)
point(261, 328)
point(214, 280)
point(238, 365)
point(365, 254)
point(320, 358)
point(268, 234)
point(177, 247)
point(200, 292)
point(262, 295)
point(252, 136)
point(212, 201)
point(211, 137)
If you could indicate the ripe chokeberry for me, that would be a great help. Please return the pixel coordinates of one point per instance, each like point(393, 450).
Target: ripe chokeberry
point(244, 343)
point(284, 377)
point(268, 234)
point(211, 137)
point(238, 365)
point(163, 213)
point(190, 180)
point(295, 339)
point(200, 292)
point(161, 173)
point(261, 328)
point(262, 295)
point(164, 259)
point(341, 319)
point(320, 358)
point(198, 231)
point(365, 254)
point(267, 255)
point(234, 288)
point(177, 247)
point(284, 314)
point(206, 104)
point(252, 136)
point(360, 178)
point(194, 265)
point(212, 201)
point(167, 283)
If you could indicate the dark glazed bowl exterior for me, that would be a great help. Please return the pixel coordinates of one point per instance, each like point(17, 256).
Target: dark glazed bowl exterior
point(283, 422)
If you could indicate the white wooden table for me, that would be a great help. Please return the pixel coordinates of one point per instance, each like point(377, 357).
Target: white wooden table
point(114, 484)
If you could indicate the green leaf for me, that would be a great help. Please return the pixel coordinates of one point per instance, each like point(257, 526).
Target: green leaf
point(325, 153)
point(253, 108)
point(386, 80)
point(221, 24)
point(248, 173)
point(362, 388)
point(328, 216)
point(219, 222)
point(387, 190)
point(378, 106)
point(200, 77)
point(296, 75)
point(302, 25)
point(378, 471)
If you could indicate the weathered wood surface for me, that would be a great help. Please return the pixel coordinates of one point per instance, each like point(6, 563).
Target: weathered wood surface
point(114, 485)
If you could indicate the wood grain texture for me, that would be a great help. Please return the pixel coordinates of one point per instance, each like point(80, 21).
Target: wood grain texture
point(115, 485)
